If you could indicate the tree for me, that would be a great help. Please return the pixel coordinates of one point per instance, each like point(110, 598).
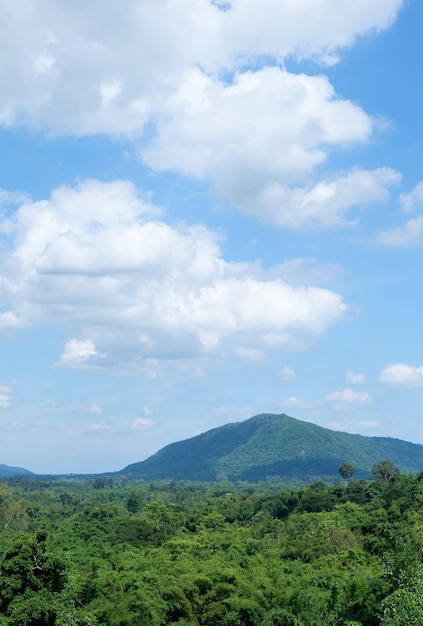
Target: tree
point(346, 470)
point(384, 471)
point(134, 501)
point(403, 570)
point(31, 582)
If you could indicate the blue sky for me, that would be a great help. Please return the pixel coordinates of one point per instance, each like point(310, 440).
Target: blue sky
point(208, 211)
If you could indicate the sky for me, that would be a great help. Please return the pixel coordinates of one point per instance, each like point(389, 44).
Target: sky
point(209, 210)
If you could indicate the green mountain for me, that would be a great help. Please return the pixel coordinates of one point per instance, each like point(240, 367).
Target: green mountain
point(6, 471)
point(274, 446)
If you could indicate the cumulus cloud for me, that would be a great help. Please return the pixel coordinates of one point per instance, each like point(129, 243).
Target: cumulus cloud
point(193, 103)
point(207, 126)
point(8, 319)
point(412, 201)
point(78, 353)
point(401, 375)
point(355, 379)
point(347, 398)
point(131, 288)
point(260, 137)
point(326, 204)
point(95, 67)
point(408, 236)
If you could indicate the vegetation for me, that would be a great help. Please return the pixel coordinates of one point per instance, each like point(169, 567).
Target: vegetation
point(275, 446)
point(123, 552)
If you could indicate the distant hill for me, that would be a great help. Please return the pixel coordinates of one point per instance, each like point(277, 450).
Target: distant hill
point(6, 471)
point(274, 446)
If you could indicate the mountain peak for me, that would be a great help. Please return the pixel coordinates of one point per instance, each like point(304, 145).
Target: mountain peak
point(277, 446)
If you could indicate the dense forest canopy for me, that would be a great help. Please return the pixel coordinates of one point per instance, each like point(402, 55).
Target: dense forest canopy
point(121, 552)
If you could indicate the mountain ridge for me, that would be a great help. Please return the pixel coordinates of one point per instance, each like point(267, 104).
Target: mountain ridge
point(8, 471)
point(269, 445)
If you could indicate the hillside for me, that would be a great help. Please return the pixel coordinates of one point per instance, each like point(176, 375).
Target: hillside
point(6, 471)
point(273, 446)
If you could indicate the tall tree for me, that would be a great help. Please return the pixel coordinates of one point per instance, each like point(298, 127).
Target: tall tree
point(384, 471)
point(346, 470)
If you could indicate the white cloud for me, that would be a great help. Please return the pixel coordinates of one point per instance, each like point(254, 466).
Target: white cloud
point(294, 403)
point(8, 319)
point(355, 379)
point(99, 428)
point(5, 401)
point(141, 423)
point(78, 353)
point(408, 236)
point(11, 197)
point(347, 398)
point(326, 204)
point(287, 373)
point(401, 375)
point(133, 289)
point(5, 396)
point(412, 201)
point(258, 136)
point(54, 81)
point(269, 121)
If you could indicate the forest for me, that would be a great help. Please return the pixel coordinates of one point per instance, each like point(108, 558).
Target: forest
point(124, 552)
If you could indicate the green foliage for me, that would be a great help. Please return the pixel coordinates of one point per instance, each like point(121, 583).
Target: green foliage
point(346, 470)
point(31, 582)
point(188, 554)
point(385, 471)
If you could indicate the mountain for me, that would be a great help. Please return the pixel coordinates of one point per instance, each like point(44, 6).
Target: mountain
point(274, 446)
point(6, 471)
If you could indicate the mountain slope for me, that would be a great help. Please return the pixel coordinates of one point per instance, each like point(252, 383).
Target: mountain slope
point(6, 471)
point(273, 445)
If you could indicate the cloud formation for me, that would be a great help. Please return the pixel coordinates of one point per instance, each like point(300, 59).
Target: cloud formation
point(99, 67)
point(345, 399)
point(194, 104)
point(355, 379)
point(402, 375)
point(5, 397)
point(410, 234)
point(131, 288)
